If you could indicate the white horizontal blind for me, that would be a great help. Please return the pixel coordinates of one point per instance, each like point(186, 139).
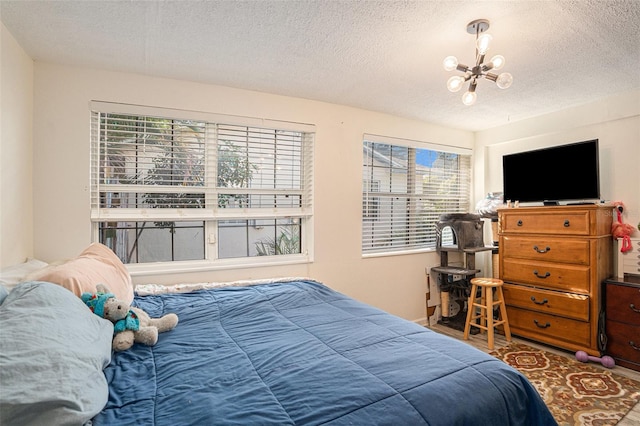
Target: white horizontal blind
point(273, 179)
point(166, 168)
point(405, 190)
point(149, 167)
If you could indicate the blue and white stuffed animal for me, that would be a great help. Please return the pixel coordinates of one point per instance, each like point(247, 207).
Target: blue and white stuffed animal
point(130, 324)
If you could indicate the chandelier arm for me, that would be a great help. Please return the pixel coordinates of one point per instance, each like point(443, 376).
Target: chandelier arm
point(473, 84)
point(487, 67)
point(491, 76)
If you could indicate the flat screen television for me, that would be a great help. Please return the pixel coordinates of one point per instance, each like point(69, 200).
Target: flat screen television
point(550, 175)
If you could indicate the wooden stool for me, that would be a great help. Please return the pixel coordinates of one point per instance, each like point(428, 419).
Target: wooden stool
point(485, 303)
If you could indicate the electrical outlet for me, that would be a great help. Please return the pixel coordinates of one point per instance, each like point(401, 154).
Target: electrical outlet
point(457, 277)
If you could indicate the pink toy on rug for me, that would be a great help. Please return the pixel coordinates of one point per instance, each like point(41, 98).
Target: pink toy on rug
point(606, 360)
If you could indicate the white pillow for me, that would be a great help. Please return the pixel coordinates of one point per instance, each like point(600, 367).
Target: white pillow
point(12, 275)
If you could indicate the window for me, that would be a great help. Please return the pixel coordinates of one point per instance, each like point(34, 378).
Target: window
point(170, 186)
point(405, 188)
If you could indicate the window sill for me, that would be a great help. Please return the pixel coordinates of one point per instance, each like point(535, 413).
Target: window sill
point(162, 268)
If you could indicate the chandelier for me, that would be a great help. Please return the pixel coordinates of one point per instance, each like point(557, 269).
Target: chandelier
point(481, 69)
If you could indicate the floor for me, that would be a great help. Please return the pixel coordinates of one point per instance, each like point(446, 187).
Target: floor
point(480, 341)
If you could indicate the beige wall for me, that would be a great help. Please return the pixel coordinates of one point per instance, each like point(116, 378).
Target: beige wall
point(16, 112)
point(61, 176)
point(614, 121)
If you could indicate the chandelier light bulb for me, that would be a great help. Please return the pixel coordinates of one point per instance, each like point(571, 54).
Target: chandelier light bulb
point(497, 61)
point(483, 43)
point(450, 63)
point(504, 80)
point(455, 83)
point(469, 98)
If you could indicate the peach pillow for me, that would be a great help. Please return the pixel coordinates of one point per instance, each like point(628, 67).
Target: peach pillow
point(95, 265)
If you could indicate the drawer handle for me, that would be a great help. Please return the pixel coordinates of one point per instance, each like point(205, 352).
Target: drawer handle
point(541, 326)
point(633, 308)
point(567, 223)
point(546, 249)
point(520, 222)
point(633, 345)
point(546, 274)
point(533, 299)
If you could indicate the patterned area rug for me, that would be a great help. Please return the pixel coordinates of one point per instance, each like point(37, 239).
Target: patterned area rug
point(575, 392)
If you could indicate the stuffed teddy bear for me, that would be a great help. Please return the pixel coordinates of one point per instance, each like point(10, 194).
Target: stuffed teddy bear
point(622, 230)
point(130, 324)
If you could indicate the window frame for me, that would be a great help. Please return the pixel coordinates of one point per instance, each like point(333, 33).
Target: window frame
point(378, 199)
point(211, 215)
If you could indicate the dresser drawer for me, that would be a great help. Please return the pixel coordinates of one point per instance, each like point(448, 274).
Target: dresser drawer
point(559, 223)
point(548, 328)
point(551, 302)
point(623, 304)
point(570, 278)
point(623, 340)
point(562, 250)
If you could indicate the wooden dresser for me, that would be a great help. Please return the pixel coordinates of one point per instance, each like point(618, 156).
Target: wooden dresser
point(623, 322)
point(553, 261)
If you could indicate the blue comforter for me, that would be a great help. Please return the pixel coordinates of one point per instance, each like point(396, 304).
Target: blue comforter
point(301, 353)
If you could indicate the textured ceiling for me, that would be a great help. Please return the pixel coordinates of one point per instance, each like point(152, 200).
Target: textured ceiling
point(378, 55)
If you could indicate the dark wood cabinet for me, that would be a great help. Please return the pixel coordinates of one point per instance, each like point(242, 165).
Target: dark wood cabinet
point(622, 325)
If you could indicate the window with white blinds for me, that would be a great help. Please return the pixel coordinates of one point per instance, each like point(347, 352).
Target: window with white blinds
point(176, 185)
point(405, 189)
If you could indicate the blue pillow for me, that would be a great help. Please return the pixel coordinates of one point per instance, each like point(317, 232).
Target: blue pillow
point(53, 352)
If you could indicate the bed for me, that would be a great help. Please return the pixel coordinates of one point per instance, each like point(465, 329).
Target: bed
point(287, 352)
